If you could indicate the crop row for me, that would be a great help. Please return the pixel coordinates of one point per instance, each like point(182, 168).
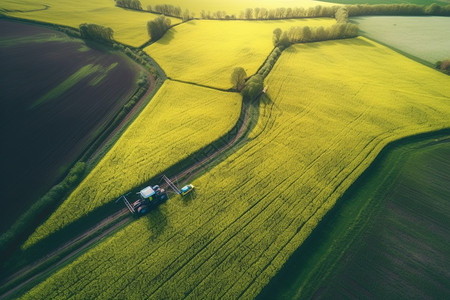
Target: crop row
point(326, 123)
point(176, 123)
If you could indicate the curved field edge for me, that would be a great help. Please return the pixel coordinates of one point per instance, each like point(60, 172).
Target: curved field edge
point(312, 264)
point(173, 125)
point(253, 210)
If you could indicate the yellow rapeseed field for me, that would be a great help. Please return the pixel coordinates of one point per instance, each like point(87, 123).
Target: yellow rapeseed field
point(176, 122)
point(334, 105)
point(130, 27)
point(206, 51)
point(233, 6)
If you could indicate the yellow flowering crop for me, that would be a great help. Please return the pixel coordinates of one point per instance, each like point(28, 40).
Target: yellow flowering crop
point(334, 106)
point(207, 51)
point(179, 119)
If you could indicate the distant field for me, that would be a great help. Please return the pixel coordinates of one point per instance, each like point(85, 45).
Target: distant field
point(206, 52)
point(423, 37)
point(130, 27)
point(54, 97)
point(231, 6)
point(418, 2)
point(177, 122)
point(334, 105)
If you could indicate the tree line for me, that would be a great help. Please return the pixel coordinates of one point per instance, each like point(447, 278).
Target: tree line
point(96, 32)
point(131, 4)
point(353, 10)
point(253, 86)
point(157, 28)
point(398, 10)
point(261, 13)
point(172, 11)
point(306, 34)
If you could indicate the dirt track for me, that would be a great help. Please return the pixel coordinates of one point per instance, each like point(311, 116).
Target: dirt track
point(75, 246)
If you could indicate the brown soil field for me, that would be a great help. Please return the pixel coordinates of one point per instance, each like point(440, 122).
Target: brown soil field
point(56, 94)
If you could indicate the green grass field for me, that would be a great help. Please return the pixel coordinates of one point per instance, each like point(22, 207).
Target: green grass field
point(173, 126)
point(206, 52)
point(423, 37)
point(334, 106)
point(396, 197)
point(130, 27)
point(403, 253)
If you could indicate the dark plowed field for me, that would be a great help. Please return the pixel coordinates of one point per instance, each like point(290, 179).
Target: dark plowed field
point(56, 93)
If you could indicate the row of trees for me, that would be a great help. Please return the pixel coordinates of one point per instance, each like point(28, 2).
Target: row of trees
point(287, 13)
point(131, 4)
point(398, 10)
point(353, 10)
point(306, 34)
point(171, 10)
point(252, 87)
point(157, 27)
point(96, 32)
point(261, 13)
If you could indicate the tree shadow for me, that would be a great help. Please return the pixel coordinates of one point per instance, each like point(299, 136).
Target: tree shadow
point(167, 37)
point(265, 99)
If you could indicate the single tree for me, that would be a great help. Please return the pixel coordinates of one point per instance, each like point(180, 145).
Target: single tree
point(276, 36)
point(238, 78)
point(157, 27)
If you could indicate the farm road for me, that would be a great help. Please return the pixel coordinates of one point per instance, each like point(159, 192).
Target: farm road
point(75, 246)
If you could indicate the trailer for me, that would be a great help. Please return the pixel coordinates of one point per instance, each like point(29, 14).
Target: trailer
point(184, 190)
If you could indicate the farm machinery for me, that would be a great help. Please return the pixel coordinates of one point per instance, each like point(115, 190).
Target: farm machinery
point(150, 197)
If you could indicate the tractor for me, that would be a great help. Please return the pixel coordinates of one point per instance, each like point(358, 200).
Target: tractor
point(149, 198)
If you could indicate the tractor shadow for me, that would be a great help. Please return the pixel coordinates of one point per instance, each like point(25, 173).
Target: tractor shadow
point(157, 222)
